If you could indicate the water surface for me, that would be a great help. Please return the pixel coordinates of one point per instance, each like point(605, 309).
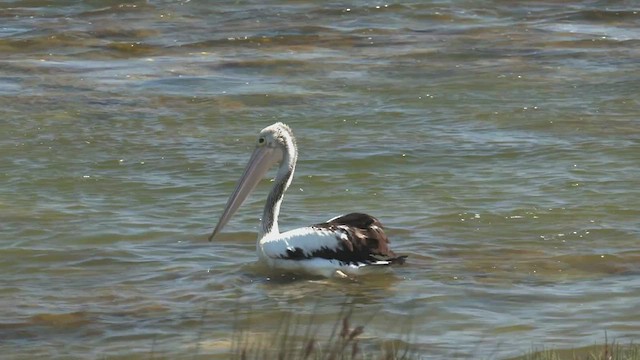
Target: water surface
point(498, 143)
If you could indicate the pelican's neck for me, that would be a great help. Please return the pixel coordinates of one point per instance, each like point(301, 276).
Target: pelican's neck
point(281, 183)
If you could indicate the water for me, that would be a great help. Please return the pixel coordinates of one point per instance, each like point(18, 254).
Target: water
point(498, 143)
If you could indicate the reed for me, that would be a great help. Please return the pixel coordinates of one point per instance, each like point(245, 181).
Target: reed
point(301, 338)
point(294, 339)
point(607, 351)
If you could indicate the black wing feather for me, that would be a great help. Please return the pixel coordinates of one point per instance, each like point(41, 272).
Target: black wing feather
point(365, 242)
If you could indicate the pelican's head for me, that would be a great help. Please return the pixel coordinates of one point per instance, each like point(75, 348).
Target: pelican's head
point(275, 144)
point(277, 136)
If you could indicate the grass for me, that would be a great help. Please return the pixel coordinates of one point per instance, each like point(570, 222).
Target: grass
point(606, 351)
point(293, 340)
point(298, 338)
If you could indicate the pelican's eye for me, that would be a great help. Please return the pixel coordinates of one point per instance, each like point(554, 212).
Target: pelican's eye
point(261, 141)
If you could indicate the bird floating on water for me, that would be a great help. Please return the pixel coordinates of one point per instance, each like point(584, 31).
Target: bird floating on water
point(345, 245)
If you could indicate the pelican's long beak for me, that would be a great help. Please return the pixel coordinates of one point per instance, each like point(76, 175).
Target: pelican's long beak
point(261, 160)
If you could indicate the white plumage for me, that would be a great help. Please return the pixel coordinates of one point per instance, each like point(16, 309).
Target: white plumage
point(349, 244)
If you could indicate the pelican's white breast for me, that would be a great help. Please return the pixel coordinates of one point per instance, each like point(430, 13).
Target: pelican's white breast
point(306, 239)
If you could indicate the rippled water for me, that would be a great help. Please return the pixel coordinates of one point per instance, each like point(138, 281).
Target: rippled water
point(499, 143)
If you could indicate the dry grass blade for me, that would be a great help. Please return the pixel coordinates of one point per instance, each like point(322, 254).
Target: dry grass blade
point(355, 349)
point(308, 350)
point(356, 332)
point(345, 327)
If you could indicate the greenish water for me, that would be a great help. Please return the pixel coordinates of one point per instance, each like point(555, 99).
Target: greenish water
point(499, 142)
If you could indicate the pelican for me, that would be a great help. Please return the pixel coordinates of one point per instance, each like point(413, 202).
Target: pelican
point(346, 245)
